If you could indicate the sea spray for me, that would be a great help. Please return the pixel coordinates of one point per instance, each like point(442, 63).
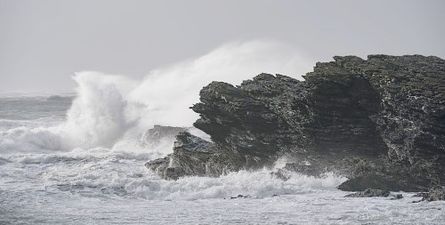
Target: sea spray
point(111, 110)
point(169, 92)
point(97, 116)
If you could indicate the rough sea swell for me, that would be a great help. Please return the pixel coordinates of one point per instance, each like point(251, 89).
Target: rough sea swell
point(43, 181)
point(80, 160)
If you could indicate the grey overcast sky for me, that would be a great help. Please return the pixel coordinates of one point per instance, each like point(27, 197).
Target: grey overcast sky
point(43, 42)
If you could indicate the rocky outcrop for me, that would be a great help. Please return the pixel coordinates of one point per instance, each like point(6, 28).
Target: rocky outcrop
point(387, 111)
point(193, 156)
point(391, 175)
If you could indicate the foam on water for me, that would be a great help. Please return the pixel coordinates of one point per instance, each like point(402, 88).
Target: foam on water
point(103, 172)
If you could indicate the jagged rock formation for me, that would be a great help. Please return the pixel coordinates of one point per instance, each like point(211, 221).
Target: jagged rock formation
point(193, 156)
point(380, 119)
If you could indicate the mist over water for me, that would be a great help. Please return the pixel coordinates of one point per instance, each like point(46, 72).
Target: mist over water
point(81, 158)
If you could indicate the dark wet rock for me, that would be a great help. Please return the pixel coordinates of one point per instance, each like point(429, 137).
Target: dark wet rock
point(397, 197)
point(370, 181)
point(193, 156)
point(380, 122)
point(391, 183)
point(409, 112)
point(391, 175)
point(434, 194)
point(240, 196)
point(370, 192)
point(274, 115)
point(159, 166)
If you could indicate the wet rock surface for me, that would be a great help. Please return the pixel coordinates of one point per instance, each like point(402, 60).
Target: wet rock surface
point(240, 196)
point(434, 194)
point(397, 197)
point(370, 193)
point(387, 111)
point(193, 156)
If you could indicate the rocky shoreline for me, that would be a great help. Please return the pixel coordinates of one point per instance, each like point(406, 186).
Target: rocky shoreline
point(380, 122)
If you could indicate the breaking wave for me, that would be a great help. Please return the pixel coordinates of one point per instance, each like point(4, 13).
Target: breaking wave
point(110, 109)
point(96, 148)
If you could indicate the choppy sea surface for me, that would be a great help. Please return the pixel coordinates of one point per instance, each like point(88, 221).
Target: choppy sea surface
point(58, 166)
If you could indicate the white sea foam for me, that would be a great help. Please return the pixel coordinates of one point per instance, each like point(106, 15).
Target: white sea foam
point(101, 172)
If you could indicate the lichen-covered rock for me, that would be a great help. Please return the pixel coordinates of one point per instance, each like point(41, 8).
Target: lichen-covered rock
point(388, 111)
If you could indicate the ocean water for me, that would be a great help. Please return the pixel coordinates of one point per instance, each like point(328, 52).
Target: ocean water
point(65, 161)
